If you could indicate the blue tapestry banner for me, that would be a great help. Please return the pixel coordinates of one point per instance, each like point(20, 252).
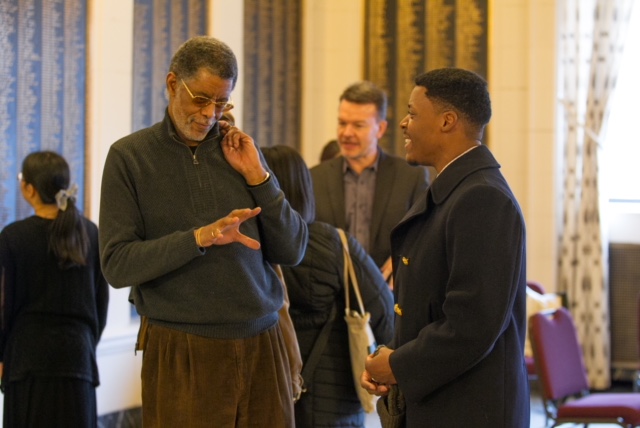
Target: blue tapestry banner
point(42, 91)
point(272, 71)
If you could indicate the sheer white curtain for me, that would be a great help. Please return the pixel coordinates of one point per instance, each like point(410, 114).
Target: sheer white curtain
point(591, 42)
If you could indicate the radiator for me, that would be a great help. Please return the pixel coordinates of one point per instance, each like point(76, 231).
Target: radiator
point(624, 289)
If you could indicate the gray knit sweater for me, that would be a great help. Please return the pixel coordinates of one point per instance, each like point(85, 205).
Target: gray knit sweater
point(155, 192)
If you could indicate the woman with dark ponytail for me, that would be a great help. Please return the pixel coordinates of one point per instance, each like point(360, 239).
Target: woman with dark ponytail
point(53, 303)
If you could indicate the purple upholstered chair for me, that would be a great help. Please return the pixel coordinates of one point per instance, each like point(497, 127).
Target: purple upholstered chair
point(562, 374)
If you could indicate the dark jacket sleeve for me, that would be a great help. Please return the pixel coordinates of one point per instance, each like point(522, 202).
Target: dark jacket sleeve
point(282, 230)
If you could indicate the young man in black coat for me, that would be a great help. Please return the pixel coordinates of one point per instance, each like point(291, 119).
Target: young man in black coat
point(460, 271)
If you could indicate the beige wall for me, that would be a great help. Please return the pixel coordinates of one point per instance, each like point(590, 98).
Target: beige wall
point(522, 66)
point(522, 131)
point(333, 59)
point(110, 76)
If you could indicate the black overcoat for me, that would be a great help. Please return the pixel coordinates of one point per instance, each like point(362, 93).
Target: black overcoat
point(460, 284)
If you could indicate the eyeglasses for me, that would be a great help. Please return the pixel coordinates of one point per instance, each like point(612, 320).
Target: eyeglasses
point(202, 102)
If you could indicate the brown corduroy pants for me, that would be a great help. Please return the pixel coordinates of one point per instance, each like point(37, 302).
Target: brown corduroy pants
point(191, 381)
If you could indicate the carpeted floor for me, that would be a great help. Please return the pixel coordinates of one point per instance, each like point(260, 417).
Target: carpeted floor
point(132, 418)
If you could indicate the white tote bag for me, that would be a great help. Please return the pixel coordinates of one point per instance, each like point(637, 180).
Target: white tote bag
point(361, 339)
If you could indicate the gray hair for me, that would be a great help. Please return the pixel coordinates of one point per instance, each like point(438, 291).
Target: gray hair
point(365, 92)
point(205, 52)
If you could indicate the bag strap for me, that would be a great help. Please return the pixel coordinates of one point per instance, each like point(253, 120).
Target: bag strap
point(349, 274)
point(319, 345)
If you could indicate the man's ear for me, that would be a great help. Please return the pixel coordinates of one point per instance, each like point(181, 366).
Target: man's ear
point(449, 120)
point(171, 81)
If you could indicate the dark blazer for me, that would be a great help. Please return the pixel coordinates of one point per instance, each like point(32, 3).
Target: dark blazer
point(460, 284)
point(398, 186)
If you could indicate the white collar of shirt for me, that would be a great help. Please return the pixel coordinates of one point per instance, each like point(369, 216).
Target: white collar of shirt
point(456, 158)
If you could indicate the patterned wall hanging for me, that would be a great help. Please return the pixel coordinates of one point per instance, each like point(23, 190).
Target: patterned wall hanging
point(272, 71)
point(42, 91)
point(160, 27)
point(404, 38)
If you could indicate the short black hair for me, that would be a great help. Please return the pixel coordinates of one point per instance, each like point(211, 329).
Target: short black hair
point(205, 52)
point(294, 177)
point(459, 89)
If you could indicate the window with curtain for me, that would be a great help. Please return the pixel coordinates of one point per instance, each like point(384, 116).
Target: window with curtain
point(621, 143)
point(591, 42)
